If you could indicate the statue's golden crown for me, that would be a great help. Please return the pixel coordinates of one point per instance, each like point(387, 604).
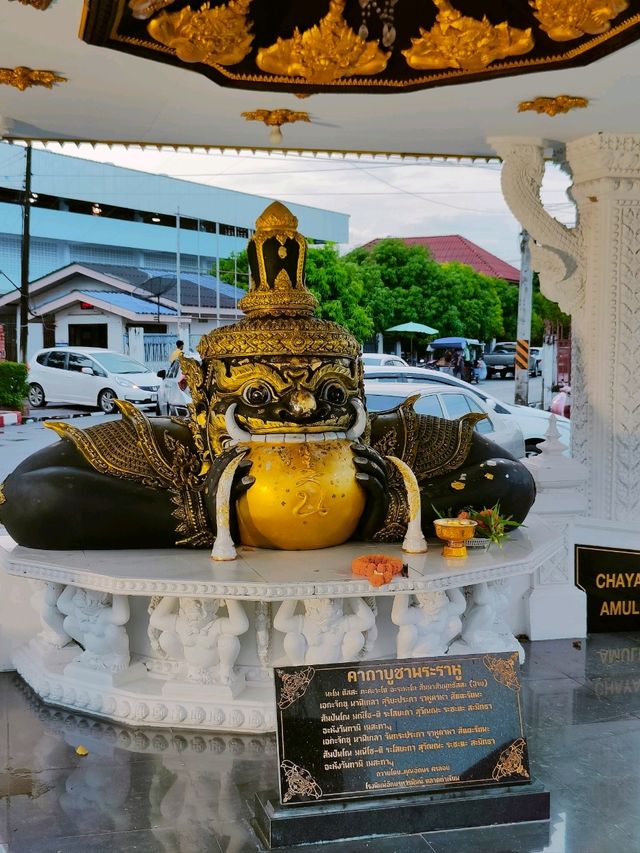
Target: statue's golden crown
point(278, 305)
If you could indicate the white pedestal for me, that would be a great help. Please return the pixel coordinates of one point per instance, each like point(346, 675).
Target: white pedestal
point(331, 615)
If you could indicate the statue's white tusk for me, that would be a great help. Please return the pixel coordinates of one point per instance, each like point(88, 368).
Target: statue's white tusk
point(223, 547)
point(414, 541)
point(236, 433)
point(360, 423)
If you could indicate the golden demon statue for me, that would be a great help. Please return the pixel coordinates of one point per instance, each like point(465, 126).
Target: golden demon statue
point(284, 391)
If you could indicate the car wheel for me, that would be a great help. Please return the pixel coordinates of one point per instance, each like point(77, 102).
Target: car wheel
point(531, 446)
point(106, 401)
point(36, 396)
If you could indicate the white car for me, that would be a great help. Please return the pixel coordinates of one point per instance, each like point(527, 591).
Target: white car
point(380, 359)
point(445, 401)
point(89, 376)
point(535, 361)
point(173, 393)
point(534, 423)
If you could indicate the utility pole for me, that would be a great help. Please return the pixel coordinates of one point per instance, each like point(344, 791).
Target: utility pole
point(523, 334)
point(24, 262)
point(217, 274)
point(178, 282)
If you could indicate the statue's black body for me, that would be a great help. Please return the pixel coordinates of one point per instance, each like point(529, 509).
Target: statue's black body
point(56, 500)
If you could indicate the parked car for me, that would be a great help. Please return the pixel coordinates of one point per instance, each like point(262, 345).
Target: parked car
point(534, 423)
point(501, 361)
point(379, 359)
point(445, 401)
point(173, 393)
point(535, 361)
point(89, 376)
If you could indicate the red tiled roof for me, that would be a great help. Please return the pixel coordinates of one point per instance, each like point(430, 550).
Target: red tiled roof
point(454, 247)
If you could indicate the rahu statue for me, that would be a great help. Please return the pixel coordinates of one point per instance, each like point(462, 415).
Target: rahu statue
point(278, 399)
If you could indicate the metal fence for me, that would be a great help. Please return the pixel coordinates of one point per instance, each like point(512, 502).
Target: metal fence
point(158, 348)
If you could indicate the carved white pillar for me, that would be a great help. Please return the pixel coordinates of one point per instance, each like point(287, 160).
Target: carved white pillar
point(555, 607)
point(593, 271)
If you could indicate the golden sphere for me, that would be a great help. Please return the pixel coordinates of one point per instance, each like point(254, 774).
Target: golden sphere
point(305, 496)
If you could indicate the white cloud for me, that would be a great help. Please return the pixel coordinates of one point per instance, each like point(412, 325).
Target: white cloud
point(383, 198)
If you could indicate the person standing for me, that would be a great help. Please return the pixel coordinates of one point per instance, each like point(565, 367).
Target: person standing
point(178, 351)
point(457, 364)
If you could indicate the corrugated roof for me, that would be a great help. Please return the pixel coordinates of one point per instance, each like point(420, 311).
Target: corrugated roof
point(128, 302)
point(454, 247)
point(163, 283)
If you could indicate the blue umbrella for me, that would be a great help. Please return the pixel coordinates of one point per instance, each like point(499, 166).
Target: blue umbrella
point(412, 329)
point(416, 328)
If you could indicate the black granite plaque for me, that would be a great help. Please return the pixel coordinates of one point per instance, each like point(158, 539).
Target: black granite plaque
point(388, 727)
point(611, 579)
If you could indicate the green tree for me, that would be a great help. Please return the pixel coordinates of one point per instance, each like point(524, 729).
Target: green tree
point(338, 285)
point(508, 295)
point(397, 292)
point(468, 301)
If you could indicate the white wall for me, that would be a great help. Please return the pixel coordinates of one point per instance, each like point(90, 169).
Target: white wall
point(75, 315)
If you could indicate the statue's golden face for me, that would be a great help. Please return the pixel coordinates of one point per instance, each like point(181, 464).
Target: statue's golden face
point(266, 398)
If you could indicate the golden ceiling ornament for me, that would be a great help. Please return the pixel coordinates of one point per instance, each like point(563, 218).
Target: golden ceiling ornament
point(41, 5)
point(564, 20)
point(142, 10)
point(458, 41)
point(23, 78)
point(325, 53)
point(553, 106)
point(274, 119)
point(219, 36)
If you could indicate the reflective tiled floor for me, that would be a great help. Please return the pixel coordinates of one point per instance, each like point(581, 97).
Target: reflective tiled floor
point(165, 791)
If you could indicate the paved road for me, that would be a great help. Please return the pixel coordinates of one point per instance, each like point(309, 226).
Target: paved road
point(504, 389)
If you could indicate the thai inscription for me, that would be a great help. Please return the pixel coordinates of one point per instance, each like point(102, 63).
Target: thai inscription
point(388, 727)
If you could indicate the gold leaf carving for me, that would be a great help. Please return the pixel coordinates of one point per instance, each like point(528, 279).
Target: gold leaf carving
point(23, 78)
point(37, 4)
point(145, 9)
point(325, 53)
point(219, 36)
point(276, 118)
point(563, 20)
point(553, 106)
point(457, 41)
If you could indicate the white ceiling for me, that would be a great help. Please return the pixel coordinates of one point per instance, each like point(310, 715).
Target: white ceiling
point(114, 97)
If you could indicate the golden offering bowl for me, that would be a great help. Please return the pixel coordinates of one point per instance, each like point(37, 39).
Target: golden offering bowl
point(305, 496)
point(455, 532)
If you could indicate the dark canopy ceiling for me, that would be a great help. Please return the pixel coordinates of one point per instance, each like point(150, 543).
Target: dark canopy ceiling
point(360, 46)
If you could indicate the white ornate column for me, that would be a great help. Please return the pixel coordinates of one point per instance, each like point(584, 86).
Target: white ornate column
point(593, 271)
point(555, 607)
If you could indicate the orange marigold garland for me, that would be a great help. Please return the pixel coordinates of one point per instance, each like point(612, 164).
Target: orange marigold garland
point(378, 568)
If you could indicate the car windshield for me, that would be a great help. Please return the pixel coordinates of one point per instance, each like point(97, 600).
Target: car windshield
point(116, 363)
point(426, 405)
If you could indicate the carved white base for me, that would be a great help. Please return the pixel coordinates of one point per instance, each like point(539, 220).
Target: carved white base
point(202, 637)
point(142, 702)
point(192, 690)
point(557, 612)
point(102, 678)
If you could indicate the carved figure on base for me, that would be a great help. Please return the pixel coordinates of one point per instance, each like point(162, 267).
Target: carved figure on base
point(192, 629)
point(324, 633)
point(96, 620)
point(428, 623)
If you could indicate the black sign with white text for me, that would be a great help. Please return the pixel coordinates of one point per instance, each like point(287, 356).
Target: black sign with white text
point(610, 577)
point(365, 729)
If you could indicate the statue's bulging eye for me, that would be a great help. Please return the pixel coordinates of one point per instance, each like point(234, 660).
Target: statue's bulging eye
point(257, 394)
point(334, 393)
